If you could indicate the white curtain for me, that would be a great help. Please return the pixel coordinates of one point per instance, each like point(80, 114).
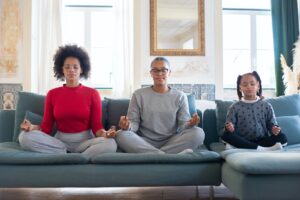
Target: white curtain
point(122, 62)
point(47, 36)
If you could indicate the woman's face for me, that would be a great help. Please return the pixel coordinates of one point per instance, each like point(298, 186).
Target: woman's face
point(160, 72)
point(72, 69)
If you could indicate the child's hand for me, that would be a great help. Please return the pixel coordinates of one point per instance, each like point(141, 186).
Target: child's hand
point(276, 130)
point(229, 127)
point(124, 123)
point(194, 120)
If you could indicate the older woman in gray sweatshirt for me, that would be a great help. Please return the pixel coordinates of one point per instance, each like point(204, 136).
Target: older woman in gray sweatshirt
point(158, 119)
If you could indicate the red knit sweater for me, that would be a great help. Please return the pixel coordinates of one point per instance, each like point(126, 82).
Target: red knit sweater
point(72, 109)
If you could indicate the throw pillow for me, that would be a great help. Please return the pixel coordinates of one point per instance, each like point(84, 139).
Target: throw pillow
point(192, 103)
point(115, 109)
point(27, 101)
point(221, 112)
point(37, 120)
point(290, 125)
point(33, 117)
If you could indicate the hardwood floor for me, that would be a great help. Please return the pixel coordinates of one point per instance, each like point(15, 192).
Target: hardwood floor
point(134, 193)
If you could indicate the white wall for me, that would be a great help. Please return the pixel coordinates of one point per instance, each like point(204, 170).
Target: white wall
point(210, 65)
point(207, 69)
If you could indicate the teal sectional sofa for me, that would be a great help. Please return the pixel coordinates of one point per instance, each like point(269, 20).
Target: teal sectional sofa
point(19, 168)
point(249, 174)
point(253, 175)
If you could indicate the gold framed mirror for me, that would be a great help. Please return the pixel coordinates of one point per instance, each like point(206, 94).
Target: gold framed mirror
point(177, 28)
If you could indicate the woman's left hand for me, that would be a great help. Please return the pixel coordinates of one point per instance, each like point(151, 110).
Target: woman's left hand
point(194, 120)
point(276, 130)
point(110, 133)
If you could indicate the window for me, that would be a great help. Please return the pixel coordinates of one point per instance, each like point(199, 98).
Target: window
point(89, 23)
point(247, 41)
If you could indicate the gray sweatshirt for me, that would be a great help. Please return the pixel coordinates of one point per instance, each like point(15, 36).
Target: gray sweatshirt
point(158, 116)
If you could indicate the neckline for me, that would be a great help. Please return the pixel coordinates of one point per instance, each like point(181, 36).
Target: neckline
point(152, 88)
point(250, 101)
point(72, 88)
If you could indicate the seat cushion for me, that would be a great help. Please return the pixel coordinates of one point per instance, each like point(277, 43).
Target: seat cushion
point(258, 162)
point(11, 153)
point(202, 156)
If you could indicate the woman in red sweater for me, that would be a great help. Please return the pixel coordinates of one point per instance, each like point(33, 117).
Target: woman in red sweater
point(74, 108)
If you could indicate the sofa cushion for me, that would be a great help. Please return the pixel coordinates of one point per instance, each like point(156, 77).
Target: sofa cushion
point(286, 105)
point(29, 158)
point(10, 146)
point(33, 117)
point(202, 156)
point(192, 103)
point(290, 125)
point(27, 102)
point(11, 153)
point(115, 109)
point(259, 162)
point(37, 119)
point(221, 112)
point(7, 125)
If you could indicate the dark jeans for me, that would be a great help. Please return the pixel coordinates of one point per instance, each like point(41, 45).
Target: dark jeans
point(235, 140)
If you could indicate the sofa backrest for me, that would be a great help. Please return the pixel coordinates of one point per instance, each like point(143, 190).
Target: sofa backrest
point(112, 109)
point(7, 118)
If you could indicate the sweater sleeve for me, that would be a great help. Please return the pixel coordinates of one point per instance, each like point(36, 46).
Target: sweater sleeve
point(133, 113)
point(183, 113)
point(96, 112)
point(48, 119)
point(271, 119)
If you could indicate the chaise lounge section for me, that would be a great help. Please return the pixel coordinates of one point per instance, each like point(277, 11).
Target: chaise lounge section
point(250, 174)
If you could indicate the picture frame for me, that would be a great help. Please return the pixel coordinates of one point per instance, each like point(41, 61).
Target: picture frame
point(9, 95)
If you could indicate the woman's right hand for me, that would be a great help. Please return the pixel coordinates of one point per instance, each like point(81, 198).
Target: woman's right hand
point(124, 123)
point(229, 127)
point(28, 126)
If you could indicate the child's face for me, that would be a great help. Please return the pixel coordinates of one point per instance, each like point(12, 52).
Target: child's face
point(249, 86)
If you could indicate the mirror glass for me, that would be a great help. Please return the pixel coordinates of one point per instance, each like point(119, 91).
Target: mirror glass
point(177, 27)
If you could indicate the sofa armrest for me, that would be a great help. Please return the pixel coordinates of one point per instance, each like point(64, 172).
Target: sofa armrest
point(7, 123)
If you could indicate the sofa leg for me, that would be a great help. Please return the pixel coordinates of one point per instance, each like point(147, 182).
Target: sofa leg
point(211, 192)
point(197, 192)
